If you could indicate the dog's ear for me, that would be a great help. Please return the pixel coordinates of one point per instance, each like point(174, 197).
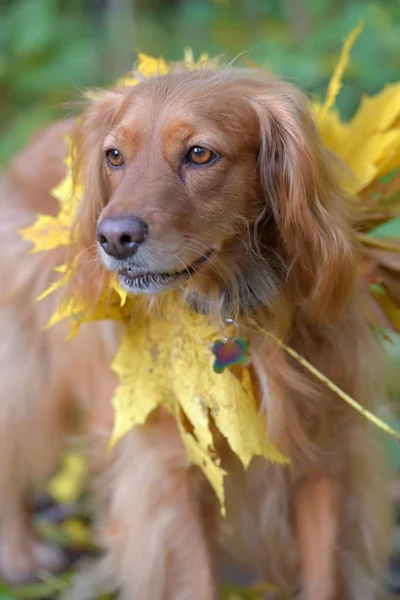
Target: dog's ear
point(88, 170)
point(88, 162)
point(301, 193)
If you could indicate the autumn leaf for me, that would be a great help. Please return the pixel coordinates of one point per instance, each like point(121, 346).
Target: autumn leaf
point(66, 486)
point(148, 66)
point(370, 142)
point(111, 305)
point(198, 453)
point(335, 83)
point(166, 361)
point(190, 62)
point(226, 396)
point(50, 232)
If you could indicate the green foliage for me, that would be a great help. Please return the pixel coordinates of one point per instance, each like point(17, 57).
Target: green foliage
point(390, 229)
point(44, 54)
point(6, 593)
point(298, 39)
point(50, 49)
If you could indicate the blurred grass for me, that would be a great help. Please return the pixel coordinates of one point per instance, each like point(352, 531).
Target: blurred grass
point(51, 49)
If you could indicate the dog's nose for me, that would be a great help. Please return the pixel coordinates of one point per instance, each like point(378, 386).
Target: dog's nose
point(121, 236)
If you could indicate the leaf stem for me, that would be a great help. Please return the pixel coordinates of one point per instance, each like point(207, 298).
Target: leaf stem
point(329, 384)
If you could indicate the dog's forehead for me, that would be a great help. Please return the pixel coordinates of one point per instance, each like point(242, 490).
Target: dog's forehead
point(205, 90)
point(186, 103)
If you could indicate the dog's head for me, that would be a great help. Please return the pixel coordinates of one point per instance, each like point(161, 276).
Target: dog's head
point(215, 182)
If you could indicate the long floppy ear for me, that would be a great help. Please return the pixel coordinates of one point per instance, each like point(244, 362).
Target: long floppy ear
point(88, 170)
point(88, 158)
point(302, 194)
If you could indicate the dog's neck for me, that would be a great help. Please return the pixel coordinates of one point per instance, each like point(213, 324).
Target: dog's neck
point(256, 287)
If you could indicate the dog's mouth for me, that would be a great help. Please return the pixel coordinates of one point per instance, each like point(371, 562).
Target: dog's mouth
point(137, 281)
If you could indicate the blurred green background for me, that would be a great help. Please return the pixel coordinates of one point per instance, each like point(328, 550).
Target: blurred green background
point(51, 49)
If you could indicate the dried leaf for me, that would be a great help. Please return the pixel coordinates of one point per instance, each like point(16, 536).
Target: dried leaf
point(56, 285)
point(171, 354)
point(370, 143)
point(66, 486)
point(335, 83)
point(50, 232)
point(189, 61)
point(148, 66)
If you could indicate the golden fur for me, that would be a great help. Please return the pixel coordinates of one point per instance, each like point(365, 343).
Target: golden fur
point(281, 251)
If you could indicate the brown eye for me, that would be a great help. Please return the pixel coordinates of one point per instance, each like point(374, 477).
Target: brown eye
point(200, 156)
point(114, 157)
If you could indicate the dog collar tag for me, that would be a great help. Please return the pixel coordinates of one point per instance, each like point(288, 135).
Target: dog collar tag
point(232, 351)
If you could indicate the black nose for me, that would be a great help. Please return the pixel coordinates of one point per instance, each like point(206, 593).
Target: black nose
point(121, 236)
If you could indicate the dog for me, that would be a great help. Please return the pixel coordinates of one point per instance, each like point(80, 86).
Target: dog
point(214, 183)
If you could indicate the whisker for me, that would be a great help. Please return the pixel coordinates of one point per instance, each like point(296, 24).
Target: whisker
point(204, 255)
point(87, 250)
point(97, 259)
point(184, 265)
point(208, 251)
point(214, 260)
point(206, 258)
point(194, 241)
point(187, 268)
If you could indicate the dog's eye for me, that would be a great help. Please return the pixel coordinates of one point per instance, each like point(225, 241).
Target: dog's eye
point(114, 157)
point(200, 156)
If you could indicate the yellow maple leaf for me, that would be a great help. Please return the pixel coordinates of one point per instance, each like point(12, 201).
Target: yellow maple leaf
point(56, 285)
point(142, 388)
point(50, 232)
point(47, 233)
point(111, 305)
point(149, 66)
point(69, 308)
point(370, 142)
point(199, 454)
point(335, 83)
point(188, 59)
point(128, 80)
point(66, 486)
point(123, 295)
point(166, 360)
point(228, 399)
